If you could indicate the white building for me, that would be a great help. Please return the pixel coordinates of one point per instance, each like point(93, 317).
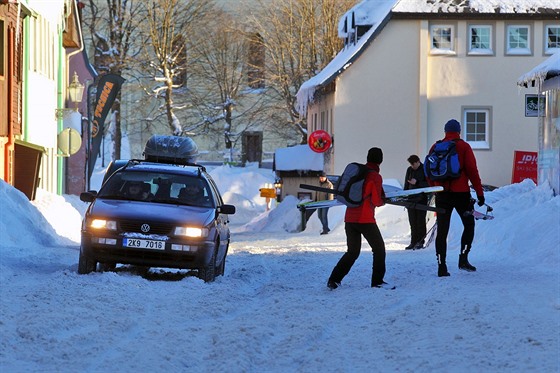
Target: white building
point(409, 66)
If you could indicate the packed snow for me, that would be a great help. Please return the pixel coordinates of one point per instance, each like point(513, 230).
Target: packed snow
point(272, 311)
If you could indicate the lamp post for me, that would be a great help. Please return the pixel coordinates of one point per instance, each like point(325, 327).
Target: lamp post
point(70, 138)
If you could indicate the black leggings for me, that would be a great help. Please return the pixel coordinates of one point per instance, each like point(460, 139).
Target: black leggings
point(461, 202)
point(371, 233)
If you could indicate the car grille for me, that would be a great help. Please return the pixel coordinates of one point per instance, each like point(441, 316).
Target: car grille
point(136, 227)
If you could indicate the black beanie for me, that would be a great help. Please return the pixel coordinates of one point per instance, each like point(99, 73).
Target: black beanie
point(375, 155)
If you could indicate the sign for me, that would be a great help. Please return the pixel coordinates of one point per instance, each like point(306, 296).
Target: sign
point(268, 192)
point(535, 105)
point(525, 166)
point(108, 87)
point(319, 141)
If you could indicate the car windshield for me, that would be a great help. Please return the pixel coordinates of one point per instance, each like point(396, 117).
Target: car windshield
point(158, 187)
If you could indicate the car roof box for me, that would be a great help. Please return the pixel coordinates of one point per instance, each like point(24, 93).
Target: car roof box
point(171, 149)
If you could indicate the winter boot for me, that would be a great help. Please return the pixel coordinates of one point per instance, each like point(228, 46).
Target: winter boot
point(442, 267)
point(442, 270)
point(464, 263)
point(331, 284)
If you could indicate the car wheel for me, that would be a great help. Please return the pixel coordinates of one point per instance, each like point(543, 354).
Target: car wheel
point(208, 273)
point(85, 265)
point(107, 267)
point(222, 268)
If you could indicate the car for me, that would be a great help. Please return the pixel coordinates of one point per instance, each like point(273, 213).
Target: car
point(156, 213)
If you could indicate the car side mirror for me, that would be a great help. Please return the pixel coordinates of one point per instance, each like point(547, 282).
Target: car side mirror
point(227, 209)
point(88, 196)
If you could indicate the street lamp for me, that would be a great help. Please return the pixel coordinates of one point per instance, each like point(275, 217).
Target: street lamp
point(70, 138)
point(75, 91)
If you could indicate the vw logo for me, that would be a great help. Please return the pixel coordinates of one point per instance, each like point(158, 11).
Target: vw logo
point(145, 228)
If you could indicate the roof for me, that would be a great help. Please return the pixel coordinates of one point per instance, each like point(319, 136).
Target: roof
point(548, 69)
point(479, 7)
point(376, 13)
point(298, 158)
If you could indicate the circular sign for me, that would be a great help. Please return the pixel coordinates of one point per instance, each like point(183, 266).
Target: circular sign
point(69, 141)
point(319, 141)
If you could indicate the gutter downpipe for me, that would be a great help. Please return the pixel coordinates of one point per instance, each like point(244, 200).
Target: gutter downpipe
point(62, 100)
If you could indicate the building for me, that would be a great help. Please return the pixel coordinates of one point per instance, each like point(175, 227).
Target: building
point(38, 133)
point(546, 79)
point(409, 66)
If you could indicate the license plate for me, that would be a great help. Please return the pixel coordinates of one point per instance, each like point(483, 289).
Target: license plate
point(144, 244)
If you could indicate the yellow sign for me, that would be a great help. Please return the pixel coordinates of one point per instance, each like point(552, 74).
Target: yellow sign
point(268, 192)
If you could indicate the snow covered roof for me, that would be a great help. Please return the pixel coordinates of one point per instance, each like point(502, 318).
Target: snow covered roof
point(368, 12)
point(478, 6)
point(546, 70)
point(298, 158)
point(378, 12)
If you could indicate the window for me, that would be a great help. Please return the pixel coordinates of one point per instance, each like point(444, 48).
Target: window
point(480, 40)
point(518, 40)
point(256, 60)
point(477, 127)
point(442, 39)
point(552, 42)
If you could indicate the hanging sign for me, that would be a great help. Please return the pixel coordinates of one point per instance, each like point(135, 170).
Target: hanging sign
point(319, 141)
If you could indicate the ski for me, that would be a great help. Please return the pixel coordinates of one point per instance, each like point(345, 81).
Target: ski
point(393, 196)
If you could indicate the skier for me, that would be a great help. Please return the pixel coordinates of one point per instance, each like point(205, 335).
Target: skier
point(360, 221)
point(456, 195)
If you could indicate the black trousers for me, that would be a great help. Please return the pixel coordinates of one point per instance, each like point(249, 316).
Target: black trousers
point(417, 221)
point(371, 233)
point(461, 202)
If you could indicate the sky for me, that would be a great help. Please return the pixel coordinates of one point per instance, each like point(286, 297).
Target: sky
point(272, 311)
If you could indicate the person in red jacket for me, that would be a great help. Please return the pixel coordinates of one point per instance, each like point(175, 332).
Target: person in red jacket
point(360, 221)
point(456, 195)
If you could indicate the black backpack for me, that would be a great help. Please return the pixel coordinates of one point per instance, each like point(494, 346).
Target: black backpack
point(350, 184)
point(443, 162)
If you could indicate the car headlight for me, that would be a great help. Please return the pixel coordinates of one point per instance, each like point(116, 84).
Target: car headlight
point(103, 224)
point(191, 231)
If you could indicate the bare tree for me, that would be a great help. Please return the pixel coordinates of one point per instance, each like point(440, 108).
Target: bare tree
point(170, 26)
point(113, 31)
point(219, 90)
point(299, 38)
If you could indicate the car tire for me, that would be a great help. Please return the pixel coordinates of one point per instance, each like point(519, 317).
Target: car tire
point(222, 268)
point(85, 265)
point(107, 267)
point(208, 273)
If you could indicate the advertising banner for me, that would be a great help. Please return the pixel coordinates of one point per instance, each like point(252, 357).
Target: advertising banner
point(107, 90)
point(525, 166)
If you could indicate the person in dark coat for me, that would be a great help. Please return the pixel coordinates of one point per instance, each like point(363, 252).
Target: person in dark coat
point(360, 221)
point(414, 179)
point(322, 213)
point(456, 195)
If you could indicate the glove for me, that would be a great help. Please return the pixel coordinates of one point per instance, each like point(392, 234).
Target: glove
point(480, 200)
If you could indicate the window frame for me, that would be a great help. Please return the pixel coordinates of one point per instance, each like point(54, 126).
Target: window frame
point(478, 144)
point(515, 51)
point(453, 35)
point(481, 51)
point(547, 49)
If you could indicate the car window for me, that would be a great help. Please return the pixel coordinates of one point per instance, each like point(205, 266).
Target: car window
point(160, 187)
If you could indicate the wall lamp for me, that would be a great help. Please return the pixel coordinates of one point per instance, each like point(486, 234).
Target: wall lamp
point(75, 92)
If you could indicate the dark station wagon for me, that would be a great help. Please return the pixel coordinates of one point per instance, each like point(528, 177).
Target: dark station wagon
point(163, 211)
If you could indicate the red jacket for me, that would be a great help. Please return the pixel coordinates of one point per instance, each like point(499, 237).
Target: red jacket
point(373, 195)
point(469, 170)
